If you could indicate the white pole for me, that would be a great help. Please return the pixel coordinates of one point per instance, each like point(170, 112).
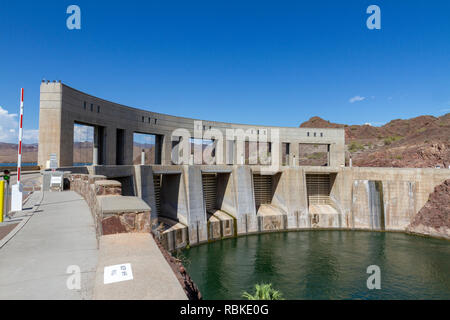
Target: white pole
point(16, 190)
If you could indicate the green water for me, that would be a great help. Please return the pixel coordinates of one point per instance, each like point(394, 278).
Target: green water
point(323, 265)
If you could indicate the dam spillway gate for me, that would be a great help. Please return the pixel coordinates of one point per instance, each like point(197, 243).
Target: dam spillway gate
point(221, 224)
point(209, 182)
point(318, 189)
point(263, 189)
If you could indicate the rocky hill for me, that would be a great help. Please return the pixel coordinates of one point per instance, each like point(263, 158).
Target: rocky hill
point(416, 143)
point(434, 218)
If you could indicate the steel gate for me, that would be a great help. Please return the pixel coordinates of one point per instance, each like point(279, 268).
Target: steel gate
point(318, 188)
point(262, 186)
point(157, 186)
point(209, 182)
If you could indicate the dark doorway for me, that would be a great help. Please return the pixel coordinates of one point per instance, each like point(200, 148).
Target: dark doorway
point(120, 143)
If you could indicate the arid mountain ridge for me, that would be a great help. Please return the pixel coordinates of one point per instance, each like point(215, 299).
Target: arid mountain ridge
point(415, 143)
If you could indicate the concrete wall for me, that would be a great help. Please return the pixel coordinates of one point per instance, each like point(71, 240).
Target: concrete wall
point(246, 209)
point(402, 193)
point(226, 194)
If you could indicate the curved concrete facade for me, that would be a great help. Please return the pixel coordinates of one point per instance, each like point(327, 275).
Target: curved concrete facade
point(193, 204)
point(61, 107)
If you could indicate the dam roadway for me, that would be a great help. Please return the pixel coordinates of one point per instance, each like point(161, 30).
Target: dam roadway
point(55, 233)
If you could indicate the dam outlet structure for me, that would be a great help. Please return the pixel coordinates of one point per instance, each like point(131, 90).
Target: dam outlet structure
point(205, 180)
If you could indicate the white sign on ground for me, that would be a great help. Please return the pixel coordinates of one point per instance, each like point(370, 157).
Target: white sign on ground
point(117, 273)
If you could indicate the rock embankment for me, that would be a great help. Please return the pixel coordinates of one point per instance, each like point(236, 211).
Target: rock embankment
point(191, 289)
point(434, 218)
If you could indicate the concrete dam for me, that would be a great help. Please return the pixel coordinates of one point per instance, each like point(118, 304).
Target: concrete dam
point(198, 181)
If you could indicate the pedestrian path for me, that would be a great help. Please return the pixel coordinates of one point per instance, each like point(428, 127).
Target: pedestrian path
point(58, 235)
point(153, 278)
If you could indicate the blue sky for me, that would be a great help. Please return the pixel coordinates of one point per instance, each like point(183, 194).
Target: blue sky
point(258, 62)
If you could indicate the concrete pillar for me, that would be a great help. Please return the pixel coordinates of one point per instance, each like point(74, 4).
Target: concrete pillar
point(295, 151)
point(158, 149)
point(110, 145)
point(218, 151)
point(95, 156)
point(65, 156)
point(277, 146)
point(50, 125)
point(337, 154)
point(175, 151)
point(166, 150)
point(225, 150)
point(142, 157)
point(246, 211)
point(128, 148)
point(197, 222)
point(145, 188)
point(95, 146)
point(230, 152)
point(329, 155)
point(287, 151)
point(293, 198)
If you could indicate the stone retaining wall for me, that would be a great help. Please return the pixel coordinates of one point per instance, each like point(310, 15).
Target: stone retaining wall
point(112, 212)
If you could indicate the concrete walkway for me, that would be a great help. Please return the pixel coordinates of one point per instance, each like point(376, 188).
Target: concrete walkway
point(152, 276)
point(60, 233)
point(56, 231)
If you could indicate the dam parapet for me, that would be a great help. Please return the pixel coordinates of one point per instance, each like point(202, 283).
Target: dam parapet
point(112, 212)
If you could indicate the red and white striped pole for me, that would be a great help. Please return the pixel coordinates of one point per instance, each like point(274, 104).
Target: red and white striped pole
point(19, 157)
point(16, 189)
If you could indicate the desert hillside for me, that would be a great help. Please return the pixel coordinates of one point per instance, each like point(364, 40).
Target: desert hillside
point(434, 217)
point(415, 143)
point(8, 152)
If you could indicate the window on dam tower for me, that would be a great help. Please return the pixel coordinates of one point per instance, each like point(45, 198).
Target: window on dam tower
point(203, 151)
point(88, 145)
point(314, 154)
point(83, 144)
point(285, 149)
point(146, 149)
